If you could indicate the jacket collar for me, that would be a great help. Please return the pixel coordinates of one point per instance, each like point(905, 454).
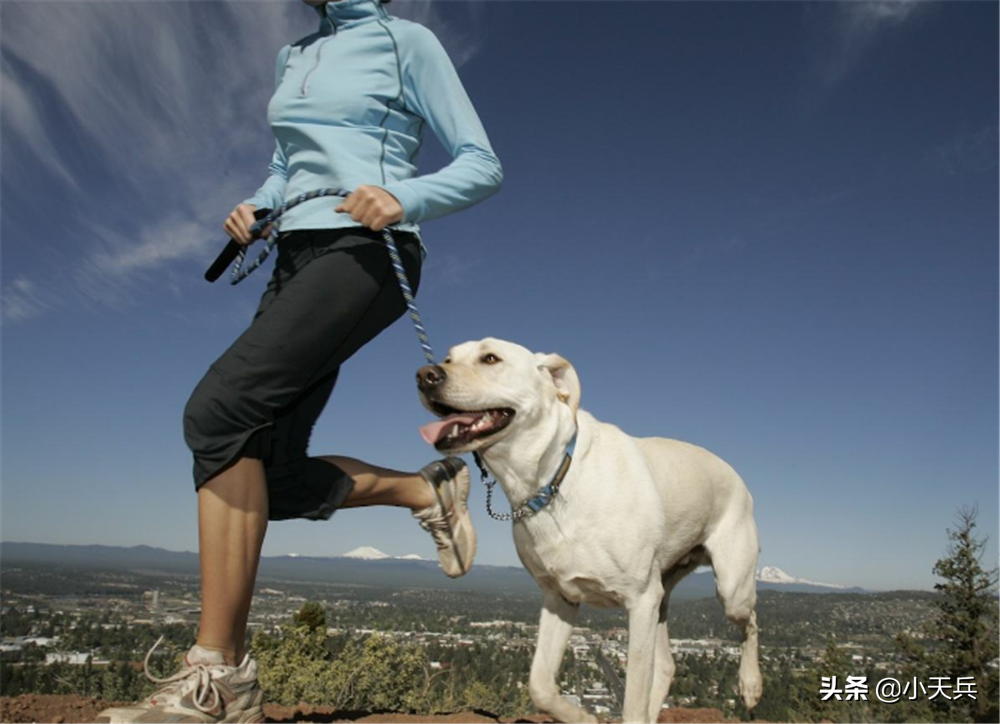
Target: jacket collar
point(338, 14)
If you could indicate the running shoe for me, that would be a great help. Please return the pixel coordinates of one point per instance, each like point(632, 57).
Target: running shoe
point(205, 690)
point(448, 520)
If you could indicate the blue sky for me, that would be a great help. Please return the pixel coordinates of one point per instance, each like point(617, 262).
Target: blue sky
point(766, 228)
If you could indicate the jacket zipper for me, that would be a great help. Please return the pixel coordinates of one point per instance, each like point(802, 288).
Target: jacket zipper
point(319, 50)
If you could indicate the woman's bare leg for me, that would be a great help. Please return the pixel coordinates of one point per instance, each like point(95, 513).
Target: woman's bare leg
point(232, 521)
point(382, 486)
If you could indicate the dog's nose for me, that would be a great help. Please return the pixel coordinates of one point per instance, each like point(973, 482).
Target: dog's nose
point(430, 376)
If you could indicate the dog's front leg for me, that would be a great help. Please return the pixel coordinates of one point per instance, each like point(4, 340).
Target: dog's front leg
point(554, 629)
point(643, 614)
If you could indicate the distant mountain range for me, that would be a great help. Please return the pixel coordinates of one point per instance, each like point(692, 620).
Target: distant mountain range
point(365, 566)
point(367, 553)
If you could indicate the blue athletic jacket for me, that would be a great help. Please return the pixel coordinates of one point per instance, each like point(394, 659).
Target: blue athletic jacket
point(350, 107)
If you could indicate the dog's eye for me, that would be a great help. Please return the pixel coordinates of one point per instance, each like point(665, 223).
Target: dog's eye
point(489, 359)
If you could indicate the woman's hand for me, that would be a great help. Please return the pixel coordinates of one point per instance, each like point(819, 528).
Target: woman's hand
point(239, 222)
point(372, 206)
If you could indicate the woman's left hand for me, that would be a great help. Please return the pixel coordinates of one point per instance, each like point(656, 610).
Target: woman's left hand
point(372, 206)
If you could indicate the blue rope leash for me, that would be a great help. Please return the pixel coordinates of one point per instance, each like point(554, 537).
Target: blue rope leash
point(529, 507)
point(239, 273)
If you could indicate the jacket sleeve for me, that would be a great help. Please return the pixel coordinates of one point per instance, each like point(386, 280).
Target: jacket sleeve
point(271, 194)
point(433, 90)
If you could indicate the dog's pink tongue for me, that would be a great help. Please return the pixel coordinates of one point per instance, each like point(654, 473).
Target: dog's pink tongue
point(434, 431)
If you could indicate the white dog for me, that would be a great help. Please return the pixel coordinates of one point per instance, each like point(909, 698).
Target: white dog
point(630, 518)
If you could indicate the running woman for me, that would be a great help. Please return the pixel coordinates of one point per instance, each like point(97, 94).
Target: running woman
point(349, 112)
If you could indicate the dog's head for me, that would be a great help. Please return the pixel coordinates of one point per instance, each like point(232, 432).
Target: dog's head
point(486, 391)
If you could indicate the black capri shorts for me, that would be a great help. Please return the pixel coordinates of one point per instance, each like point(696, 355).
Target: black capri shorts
point(332, 291)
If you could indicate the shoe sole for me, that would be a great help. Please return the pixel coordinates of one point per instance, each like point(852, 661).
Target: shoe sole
point(253, 715)
point(463, 519)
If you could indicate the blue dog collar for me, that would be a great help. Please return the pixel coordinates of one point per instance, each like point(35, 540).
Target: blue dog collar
point(540, 500)
point(545, 495)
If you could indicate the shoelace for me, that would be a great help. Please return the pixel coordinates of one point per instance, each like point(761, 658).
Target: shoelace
point(203, 686)
point(439, 528)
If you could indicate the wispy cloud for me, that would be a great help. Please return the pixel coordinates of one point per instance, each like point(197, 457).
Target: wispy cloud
point(118, 264)
point(22, 299)
point(151, 132)
point(847, 31)
point(968, 152)
point(22, 119)
point(150, 119)
point(456, 24)
point(450, 270)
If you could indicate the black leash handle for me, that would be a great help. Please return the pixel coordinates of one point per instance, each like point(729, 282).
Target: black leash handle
point(230, 253)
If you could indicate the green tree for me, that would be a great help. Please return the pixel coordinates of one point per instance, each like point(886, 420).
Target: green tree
point(962, 637)
point(311, 615)
point(293, 665)
point(376, 674)
point(966, 624)
point(916, 667)
point(379, 674)
point(777, 701)
point(479, 696)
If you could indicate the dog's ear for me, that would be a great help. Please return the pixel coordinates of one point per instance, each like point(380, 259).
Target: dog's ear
point(563, 376)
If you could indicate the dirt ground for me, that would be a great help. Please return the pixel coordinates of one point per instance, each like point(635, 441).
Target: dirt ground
point(73, 709)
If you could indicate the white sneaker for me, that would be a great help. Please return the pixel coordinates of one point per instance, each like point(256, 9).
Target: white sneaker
point(448, 520)
point(206, 690)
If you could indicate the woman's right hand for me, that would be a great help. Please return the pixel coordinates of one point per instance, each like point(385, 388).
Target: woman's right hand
point(239, 222)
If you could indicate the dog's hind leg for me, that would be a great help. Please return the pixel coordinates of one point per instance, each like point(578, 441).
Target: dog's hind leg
point(554, 629)
point(734, 558)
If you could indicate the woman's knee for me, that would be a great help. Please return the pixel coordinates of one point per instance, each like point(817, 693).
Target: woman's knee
point(215, 416)
point(200, 415)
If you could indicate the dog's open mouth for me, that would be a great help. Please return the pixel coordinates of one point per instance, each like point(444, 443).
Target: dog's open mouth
point(460, 428)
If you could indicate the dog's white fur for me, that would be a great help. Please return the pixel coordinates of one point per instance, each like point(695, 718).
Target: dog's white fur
point(633, 516)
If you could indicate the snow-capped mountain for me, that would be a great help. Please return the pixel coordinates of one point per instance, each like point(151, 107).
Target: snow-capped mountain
point(773, 574)
point(368, 553)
